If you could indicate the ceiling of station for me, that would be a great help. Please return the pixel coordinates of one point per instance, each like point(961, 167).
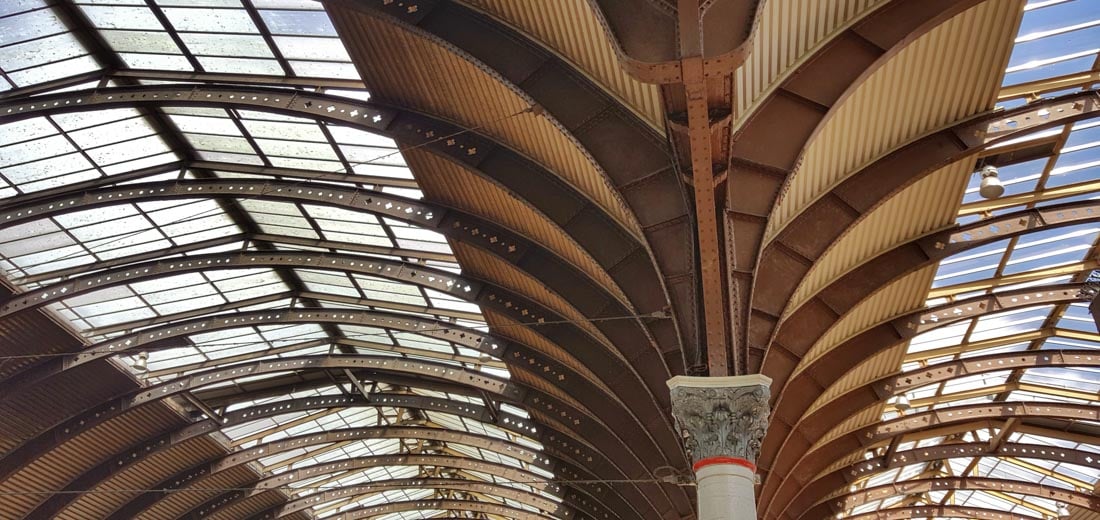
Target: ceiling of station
point(251, 306)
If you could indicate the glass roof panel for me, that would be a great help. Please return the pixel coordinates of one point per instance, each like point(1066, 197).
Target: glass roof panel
point(1055, 38)
point(78, 150)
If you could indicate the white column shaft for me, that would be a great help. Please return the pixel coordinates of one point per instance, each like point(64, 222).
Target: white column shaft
point(726, 492)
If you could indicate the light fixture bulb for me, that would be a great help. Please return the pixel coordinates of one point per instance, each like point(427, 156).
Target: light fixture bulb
point(991, 186)
point(1063, 511)
point(902, 403)
point(141, 364)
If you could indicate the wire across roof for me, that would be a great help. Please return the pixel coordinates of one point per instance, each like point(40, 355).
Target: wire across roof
point(294, 41)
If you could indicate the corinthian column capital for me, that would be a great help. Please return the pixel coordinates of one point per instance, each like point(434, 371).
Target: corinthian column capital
point(721, 418)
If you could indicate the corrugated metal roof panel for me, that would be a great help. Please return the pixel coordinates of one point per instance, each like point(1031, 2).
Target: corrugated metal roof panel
point(935, 198)
point(452, 87)
point(941, 77)
point(904, 295)
point(490, 268)
point(144, 475)
point(788, 32)
point(571, 30)
point(447, 182)
point(878, 365)
point(56, 468)
point(506, 327)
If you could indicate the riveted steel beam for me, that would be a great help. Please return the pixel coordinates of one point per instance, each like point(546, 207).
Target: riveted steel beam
point(405, 272)
point(432, 504)
point(261, 451)
point(839, 359)
point(816, 459)
point(798, 390)
point(836, 483)
point(557, 373)
point(467, 148)
point(770, 137)
point(634, 156)
point(447, 332)
point(559, 458)
point(194, 475)
point(576, 420)
point(783, 261)
point(639, 356)
point(908, 487)
point(140, 452)
point(940, 512)
point(554, 509)
point(510, 247)
point(818, 422)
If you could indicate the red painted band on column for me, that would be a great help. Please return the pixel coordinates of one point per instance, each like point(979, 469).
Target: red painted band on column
point(710, 461)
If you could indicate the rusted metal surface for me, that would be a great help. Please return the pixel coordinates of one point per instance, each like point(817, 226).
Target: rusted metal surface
point(632, 155)
point(809, 235)
point(194, 476)
point(802, 328)
point(910, 487)
point(627, 334)
point(802, 472)
point(698, 103)
point(765, 149)
point(940, 512)
point(466, 148)
point(554, 509)
point(836, 483)
point(840, 359)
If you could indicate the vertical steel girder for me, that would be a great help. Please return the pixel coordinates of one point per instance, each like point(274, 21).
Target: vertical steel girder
point(634, 157)
point(786, 260)
point(563, 278)
point(799, 390)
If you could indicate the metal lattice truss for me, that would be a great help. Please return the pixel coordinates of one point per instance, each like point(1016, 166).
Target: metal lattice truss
point(239, 284)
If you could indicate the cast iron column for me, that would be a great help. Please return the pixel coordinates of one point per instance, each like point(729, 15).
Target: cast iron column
point(722, 421)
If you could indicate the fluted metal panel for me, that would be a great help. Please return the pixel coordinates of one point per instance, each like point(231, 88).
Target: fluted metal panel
point(54, 469)
point(906, 294)
point(485, 266)
point(448, 183)
point(570, 29)
point(951, 72)
point(449, 85)
point(789, 31)
point(935, 199)
point(142, 475)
